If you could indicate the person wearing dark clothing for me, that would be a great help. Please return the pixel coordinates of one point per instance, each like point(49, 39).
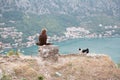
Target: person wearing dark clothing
point(43, 38)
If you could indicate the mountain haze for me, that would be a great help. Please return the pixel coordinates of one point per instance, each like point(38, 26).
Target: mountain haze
point(68, 7)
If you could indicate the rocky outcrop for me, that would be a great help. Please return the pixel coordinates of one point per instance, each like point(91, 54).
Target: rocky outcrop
point(50, 52)
point(68, 67)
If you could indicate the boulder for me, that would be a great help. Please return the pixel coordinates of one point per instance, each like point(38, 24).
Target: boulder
point(49, 52)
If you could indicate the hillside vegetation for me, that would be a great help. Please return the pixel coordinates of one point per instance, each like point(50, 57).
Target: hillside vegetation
point(56, 15)
point(64, 20)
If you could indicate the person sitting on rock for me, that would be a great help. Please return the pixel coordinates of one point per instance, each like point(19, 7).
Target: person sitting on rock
point(43, 38)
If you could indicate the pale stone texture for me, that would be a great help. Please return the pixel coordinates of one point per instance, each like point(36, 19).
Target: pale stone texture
point(49, 52)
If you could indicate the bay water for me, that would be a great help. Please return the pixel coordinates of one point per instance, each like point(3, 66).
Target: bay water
point(108, 46)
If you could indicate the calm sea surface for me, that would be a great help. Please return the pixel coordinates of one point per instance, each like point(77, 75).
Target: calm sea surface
point(109, 46)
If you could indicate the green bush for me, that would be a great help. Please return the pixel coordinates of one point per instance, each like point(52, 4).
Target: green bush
point(6, 77)
point(118, 65)
point(23, 79)
point(40, 78)
point(12, 52)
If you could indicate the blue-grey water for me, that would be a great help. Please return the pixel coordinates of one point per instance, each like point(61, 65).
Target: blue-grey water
point(109, 46)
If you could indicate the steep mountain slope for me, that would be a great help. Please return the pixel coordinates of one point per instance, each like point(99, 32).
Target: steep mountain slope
point(76, 7)
point(30, 16)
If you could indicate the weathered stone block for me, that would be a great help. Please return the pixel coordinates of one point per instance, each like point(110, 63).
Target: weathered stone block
point(49, 52)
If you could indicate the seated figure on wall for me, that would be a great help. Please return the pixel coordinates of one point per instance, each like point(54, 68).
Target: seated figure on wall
point(43, 38)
